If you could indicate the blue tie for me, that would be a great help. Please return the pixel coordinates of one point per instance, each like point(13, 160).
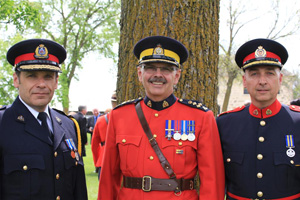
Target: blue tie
point(43, 117)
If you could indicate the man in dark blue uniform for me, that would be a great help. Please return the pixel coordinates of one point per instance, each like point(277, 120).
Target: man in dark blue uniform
point(261, 142)
point(39, 155)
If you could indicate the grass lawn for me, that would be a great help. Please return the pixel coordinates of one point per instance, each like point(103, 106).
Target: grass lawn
point(91, 177)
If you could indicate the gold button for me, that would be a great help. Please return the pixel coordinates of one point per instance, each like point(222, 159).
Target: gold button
point(58, 198)
point(180, 143)
point(260, 157)
point(156, 114)
point(57, 176)
point(55, 154)
point(155, 136)
point(228, 160)
point(151, 157)
point(262, 123)
point(292, 162)
point(76, 163)
point(123, 140)
point(260, 194)
point(259, 175)
point(25, 167)
point(261, 139)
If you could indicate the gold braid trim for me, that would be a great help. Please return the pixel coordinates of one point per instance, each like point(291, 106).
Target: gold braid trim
point(37, 67)
point(78, 135)
point(262, 62)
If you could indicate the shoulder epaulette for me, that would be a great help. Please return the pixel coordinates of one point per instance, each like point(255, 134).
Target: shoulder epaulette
point(193, 104)
point(59, 111)
point(295, 108)
point(3, 107)
point(132, 101)
point(232, 111)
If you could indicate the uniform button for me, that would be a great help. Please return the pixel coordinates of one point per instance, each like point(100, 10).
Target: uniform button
point(156, 114)
point(260, 194)
point(262, 123)
point(58, 198)
point(55, 154)
point(292, 162)
point(261, 139)
point(76, 163)
point(57, 176)
point(180, 143)
point(228, 160)
point(155, 136)
point(25, 167)
point(259, 175)
point(151, 157)
point(123, 140)
point(260, 157)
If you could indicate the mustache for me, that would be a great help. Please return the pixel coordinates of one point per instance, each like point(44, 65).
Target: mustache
point(157, 79)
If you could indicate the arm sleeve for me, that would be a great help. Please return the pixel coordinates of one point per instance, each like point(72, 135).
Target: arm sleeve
point(210, 160)
point(95, 144)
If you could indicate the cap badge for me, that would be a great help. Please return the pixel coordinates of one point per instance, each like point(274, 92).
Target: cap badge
point(158, 50)
point(41, 52)
point(260, 52)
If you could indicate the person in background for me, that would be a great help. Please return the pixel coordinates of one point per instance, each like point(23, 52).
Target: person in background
point(81, 119)
point(91, 121)
point(156, 145)
point(261, 142)
point(99, 135)
point(39, 151)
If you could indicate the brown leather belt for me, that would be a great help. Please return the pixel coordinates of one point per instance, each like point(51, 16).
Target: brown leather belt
point(148, 183)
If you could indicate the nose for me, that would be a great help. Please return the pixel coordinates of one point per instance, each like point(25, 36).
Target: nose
point(41, 83)
point(158, 71)
point(262, 80)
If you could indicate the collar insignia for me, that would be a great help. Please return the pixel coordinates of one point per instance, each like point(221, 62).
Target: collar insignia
point(165, 104)
point(58, 119)
point(21, 118)
point(269, 112)
point(149, 104)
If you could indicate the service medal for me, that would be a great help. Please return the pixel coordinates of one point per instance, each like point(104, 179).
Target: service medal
point(177, 134)
point(73, 154)
point(169, 130)
point(191, 137)
point(290, 153)
point(184, 129)
point(289, 139)
point(184, 137)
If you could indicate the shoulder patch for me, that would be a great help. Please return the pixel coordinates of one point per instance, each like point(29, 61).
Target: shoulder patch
point(193, 104)
point(295, 108)
point(132, 101)
point(232, 111)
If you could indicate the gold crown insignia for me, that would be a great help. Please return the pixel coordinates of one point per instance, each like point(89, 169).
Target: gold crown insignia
point(158, 50)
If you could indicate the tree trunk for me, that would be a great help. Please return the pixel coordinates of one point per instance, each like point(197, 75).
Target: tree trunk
point(227, 93)
point(195, 23)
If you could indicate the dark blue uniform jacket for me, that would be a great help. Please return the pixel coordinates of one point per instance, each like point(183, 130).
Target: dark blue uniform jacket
point(32, 166)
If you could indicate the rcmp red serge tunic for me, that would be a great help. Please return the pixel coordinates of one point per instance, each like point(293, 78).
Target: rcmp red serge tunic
point(261, 152)
point(129, 153)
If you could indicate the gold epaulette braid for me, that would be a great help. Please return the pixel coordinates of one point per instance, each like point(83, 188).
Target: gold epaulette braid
point(78, 135)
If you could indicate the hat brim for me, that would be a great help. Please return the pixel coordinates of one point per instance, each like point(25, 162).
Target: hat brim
point(160, 61)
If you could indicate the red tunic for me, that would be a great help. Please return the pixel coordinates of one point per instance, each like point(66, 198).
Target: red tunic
point(99, 135)
point(128, 152)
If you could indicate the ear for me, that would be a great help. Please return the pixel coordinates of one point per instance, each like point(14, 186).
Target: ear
point(56, 82)
point(139, 70)
point(16, 80)
point(177, 76)
point(244, 81)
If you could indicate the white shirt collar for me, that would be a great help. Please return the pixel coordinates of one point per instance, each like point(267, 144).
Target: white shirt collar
point(33, 111)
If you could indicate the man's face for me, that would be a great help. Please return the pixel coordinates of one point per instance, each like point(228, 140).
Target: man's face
point(36, 88)
point(263, 84)
point(96, 112)
point(158, 79)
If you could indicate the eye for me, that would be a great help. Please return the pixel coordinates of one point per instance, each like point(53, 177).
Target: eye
point(166, 69)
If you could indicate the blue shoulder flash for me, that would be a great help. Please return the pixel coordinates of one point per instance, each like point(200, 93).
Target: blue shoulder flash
point(132, 101)
point(193, 104)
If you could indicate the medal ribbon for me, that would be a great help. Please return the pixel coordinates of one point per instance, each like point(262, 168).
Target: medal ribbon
point(184, 127)
point(169, 127)
point(69, 144)
point(192, 126)
point(289, 139)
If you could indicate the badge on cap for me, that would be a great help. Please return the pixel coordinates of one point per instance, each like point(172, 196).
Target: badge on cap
point(41, 52)
point(290, 144)
point(158, 50)
point(260, 52)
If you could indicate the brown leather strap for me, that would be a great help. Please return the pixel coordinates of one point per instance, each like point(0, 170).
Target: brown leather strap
point(162, 159)
point(147, 184)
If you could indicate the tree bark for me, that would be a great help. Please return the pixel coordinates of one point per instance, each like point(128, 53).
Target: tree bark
point(195, 23)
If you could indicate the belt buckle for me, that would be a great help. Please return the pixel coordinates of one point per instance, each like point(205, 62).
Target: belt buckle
point(143, 183)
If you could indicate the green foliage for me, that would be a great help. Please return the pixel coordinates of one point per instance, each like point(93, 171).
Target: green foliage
point(20, 13)
point(81, 26)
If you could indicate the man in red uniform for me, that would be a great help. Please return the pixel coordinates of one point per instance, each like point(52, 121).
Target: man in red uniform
point(185, 131)
point(99, 135)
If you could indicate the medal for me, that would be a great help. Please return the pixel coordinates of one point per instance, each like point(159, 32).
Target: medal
point(289, 139)
point(73, 154)
point(177, 134)
point(191, 136)
point(169, 130)
point(184, 129)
